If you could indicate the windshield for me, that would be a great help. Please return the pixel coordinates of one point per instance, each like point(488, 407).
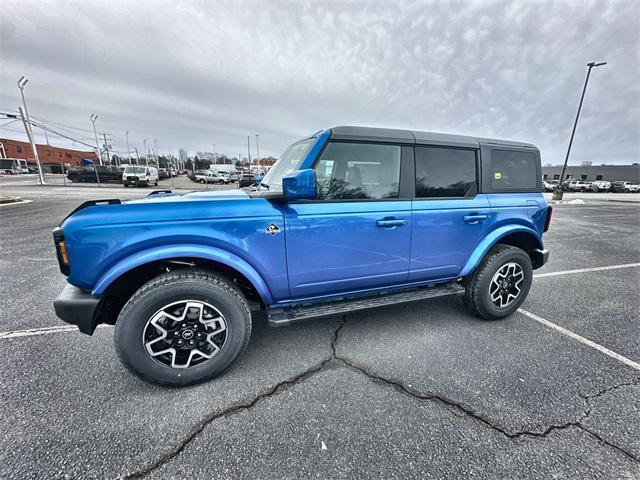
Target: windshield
point(134, 170)
point(288, 162)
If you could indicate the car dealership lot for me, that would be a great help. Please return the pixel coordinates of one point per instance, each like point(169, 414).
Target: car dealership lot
point(420, 390)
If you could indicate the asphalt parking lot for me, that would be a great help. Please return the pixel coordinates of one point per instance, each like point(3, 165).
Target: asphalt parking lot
point(416, 391)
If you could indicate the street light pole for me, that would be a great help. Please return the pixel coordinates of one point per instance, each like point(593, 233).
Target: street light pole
point(27, 125)
point(128, 150)
point(146, 153)
point(249, 152)
point(557, 194)
point(155, 151)
point(258, 150)
point(93, 119)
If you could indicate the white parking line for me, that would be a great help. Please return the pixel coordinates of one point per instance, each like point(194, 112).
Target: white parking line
point(30, 332)
point(582, 339)
point(585, 270)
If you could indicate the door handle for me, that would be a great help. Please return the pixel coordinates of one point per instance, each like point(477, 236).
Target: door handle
point(475, 218)
point(390, 222)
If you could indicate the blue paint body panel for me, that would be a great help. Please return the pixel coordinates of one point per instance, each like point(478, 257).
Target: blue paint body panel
point(322, 250)
point(107, 237)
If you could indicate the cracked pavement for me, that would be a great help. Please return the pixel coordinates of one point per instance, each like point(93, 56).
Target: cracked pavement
point(420, 390)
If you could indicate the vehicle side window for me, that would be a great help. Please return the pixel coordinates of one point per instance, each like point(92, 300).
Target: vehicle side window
point(358, 171)
point(513, 170)
point(445, 172)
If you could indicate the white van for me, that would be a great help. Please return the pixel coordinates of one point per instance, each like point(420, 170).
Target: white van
point(140, 175)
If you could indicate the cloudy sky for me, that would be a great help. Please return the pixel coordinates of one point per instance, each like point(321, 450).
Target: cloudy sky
point(192, 74)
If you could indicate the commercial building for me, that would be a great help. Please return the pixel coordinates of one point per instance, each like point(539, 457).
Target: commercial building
point(612, 173)
point(51, 158)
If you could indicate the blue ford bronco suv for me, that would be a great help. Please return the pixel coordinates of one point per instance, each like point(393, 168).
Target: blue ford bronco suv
point(348, 218)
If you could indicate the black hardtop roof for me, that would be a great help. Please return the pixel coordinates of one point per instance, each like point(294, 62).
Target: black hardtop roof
point(390, 135)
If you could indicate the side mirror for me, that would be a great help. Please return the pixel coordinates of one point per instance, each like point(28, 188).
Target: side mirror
point(300, 185)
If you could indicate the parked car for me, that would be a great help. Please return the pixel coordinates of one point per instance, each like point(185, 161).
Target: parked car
point(579, 186)
point(13, 166)
point(209, 177)
point(106, 174)
point(600, 186)
point(193, 175)
point(625, 187)
point(234, 177)
point(163, 173)
point(224, 176)
point(140, 176)
point(246, 180)
point(178, 274)
point(549, 185)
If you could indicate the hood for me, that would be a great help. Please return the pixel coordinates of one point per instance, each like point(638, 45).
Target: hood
point(164, 206)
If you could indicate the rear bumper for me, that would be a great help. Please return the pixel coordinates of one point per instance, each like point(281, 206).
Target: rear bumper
point(539, 257)
point(77, 308)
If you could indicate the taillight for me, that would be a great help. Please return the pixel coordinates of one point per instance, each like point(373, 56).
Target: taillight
point(547, 222)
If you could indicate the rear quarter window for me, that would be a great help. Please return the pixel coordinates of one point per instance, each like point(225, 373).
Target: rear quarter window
point(513, 171)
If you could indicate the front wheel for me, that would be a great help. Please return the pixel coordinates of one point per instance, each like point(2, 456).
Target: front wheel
point(183, 328)
point(202, 181)
point(500, 284)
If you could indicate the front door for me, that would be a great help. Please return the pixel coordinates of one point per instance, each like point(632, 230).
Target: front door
point(449, 216)
point(357, 234)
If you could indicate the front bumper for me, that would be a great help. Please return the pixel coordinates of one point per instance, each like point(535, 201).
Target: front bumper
point(539, 257)
point(78, 308)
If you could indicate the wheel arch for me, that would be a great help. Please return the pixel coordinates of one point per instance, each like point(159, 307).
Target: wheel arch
point(515, 235)
point(184, 256)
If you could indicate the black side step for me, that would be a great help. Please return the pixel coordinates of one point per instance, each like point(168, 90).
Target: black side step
point(281, 317)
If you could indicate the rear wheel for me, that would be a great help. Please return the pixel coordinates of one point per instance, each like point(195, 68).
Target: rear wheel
point(183, 328)
point(500, 284)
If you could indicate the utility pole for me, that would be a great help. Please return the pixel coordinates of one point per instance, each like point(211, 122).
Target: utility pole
point(128, 150)
point(557, 194)
point(93, 119)
point(146, 156)
point(258, 150)
point(215, 157)
point(27, 125)
point(106, 147)
point(46, 136)
point(137, 156)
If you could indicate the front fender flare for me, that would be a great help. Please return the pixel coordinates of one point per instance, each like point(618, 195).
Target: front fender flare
point(490, 240)
point(190, 251)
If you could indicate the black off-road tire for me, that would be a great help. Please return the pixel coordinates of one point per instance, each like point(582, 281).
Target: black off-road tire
point(198, 285)
point(477, 297)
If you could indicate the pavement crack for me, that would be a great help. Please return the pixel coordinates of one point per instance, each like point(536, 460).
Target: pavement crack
point(399, 386)
point(238, 407)
point(604, 391)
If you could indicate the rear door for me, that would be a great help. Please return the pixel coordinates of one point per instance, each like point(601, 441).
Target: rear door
point(449, 215)
point(357, 234)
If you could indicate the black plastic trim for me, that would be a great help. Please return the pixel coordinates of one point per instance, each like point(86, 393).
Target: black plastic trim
point(78, 308)
point(539, 257)
point(93, 203)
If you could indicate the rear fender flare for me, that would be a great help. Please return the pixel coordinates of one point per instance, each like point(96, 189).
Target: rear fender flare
point(185, 251)
point(490, 240)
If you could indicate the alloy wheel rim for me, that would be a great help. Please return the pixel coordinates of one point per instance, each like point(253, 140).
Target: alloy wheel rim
point(184, 334)
point(506, 285)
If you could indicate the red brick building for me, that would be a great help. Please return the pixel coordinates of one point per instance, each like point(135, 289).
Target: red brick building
point(48, 155)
